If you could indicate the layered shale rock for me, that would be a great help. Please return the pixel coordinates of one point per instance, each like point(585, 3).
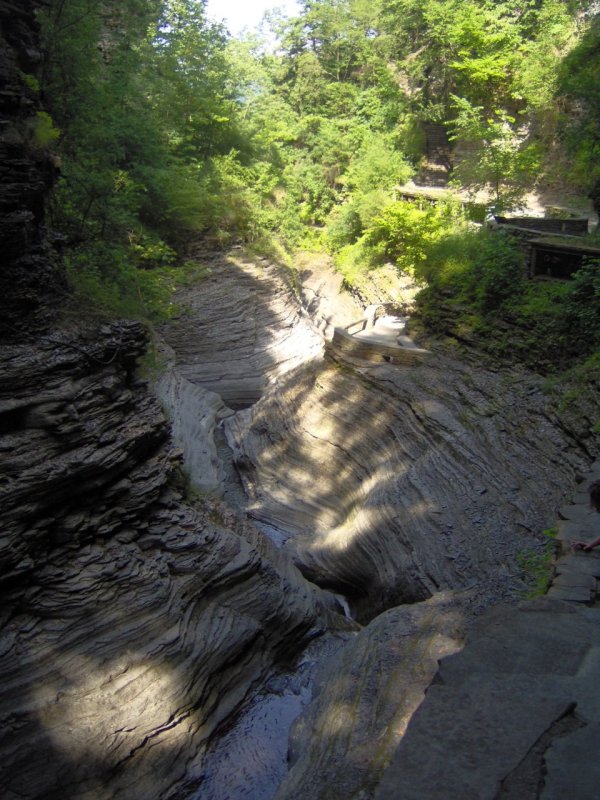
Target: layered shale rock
point(133, 625)
point(241, 328)
point(391, 483)
point(512, 716)
point(365, 696)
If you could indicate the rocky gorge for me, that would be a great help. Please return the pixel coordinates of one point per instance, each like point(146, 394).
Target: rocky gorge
point(181, 535)
point(138, 624)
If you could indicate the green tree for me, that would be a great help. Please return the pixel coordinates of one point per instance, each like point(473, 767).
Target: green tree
point(497, 154)
point(578, 92)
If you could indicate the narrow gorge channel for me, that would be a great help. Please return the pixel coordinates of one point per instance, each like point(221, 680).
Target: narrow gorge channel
point(406, 492)
point(155, 642)
point(186, 518)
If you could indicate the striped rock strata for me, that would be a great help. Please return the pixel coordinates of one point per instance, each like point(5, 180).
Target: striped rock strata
point(365, 696)
point(391, 483)
point(132, 625)
point(240, 329)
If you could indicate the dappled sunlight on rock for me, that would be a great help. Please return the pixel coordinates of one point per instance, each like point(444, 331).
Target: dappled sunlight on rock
point(341, 537)
point(146, 622)
point(100, 709)
point(242, 329)
point(366, 695)
point(396, 482)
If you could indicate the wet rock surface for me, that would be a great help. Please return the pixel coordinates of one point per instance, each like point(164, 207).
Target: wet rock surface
point(136, 628)
point(398, 484)
point(365, 696)
point(241, 328)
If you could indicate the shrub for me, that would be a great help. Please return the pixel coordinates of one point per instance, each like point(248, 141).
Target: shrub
point(105, 279)
point(581, 308)
point(378, 165)
point(347, 222)
point(498, 271)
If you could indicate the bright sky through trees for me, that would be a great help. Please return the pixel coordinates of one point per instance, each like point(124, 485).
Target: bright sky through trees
point(240, 14)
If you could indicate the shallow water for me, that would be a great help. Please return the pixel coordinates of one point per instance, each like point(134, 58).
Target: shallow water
point(250, 761)
point(277, 536)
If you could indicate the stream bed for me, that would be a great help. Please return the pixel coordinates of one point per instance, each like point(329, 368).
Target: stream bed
point(249, 761)
point(410, 487)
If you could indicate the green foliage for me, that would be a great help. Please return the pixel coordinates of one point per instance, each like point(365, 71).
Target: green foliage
point(476, 289)
point(378, 165)
point(168, 132)
point(576, 389)
point(43, 133)
point(149, 129)
point(497, 272)
point(499, 155)
point(581, 306)
point(450, 258)
point(553, 34)
point(30, 81)
point(536, 565)
point(579, 93)
point(404, 233)
point(347, 222)
point(105, 281)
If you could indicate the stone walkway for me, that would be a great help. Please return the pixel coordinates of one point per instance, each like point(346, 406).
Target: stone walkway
point(576, 572)
point(516, 714)
point(387, 330)
point(380, 339)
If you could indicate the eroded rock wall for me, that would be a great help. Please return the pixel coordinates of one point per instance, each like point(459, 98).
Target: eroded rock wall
point(240, 329)
point(133, 626)
point(364, 697)
point(392, 483)
point(388, 482)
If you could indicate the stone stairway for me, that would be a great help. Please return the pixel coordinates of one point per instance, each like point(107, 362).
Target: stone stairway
point(431, 174)
point(576, 573)
point(435, 169)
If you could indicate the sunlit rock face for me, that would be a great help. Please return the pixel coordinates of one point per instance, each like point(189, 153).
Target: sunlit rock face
point(240, 329)
point(395, 483)
point(132, 625)
point(364, 697)
point(387, 483)
point(391, 483)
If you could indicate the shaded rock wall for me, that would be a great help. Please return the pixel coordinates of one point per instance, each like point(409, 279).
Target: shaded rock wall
point(512, 716)
point(133, 626)
point(29, 277)
point(242, 327)
point(392, 483)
